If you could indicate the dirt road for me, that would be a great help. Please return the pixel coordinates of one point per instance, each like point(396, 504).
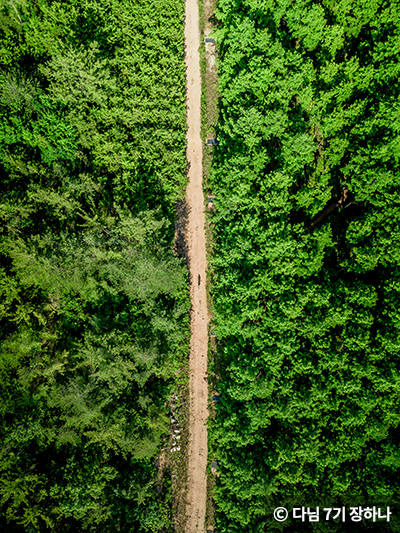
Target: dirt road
point(198, 387)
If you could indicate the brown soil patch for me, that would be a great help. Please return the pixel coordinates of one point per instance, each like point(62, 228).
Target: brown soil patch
point(196, 240)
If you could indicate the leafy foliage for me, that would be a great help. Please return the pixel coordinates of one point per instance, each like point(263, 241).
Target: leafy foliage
point(308, 321)
point(94, 302)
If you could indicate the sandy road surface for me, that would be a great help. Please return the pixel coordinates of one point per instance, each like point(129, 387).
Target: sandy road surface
point(198, 387)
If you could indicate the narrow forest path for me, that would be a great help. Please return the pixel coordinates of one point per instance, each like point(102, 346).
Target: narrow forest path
point(196, 239)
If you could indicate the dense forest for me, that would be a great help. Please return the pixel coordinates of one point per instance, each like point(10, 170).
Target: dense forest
point(306, 277)
point(94, 302)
